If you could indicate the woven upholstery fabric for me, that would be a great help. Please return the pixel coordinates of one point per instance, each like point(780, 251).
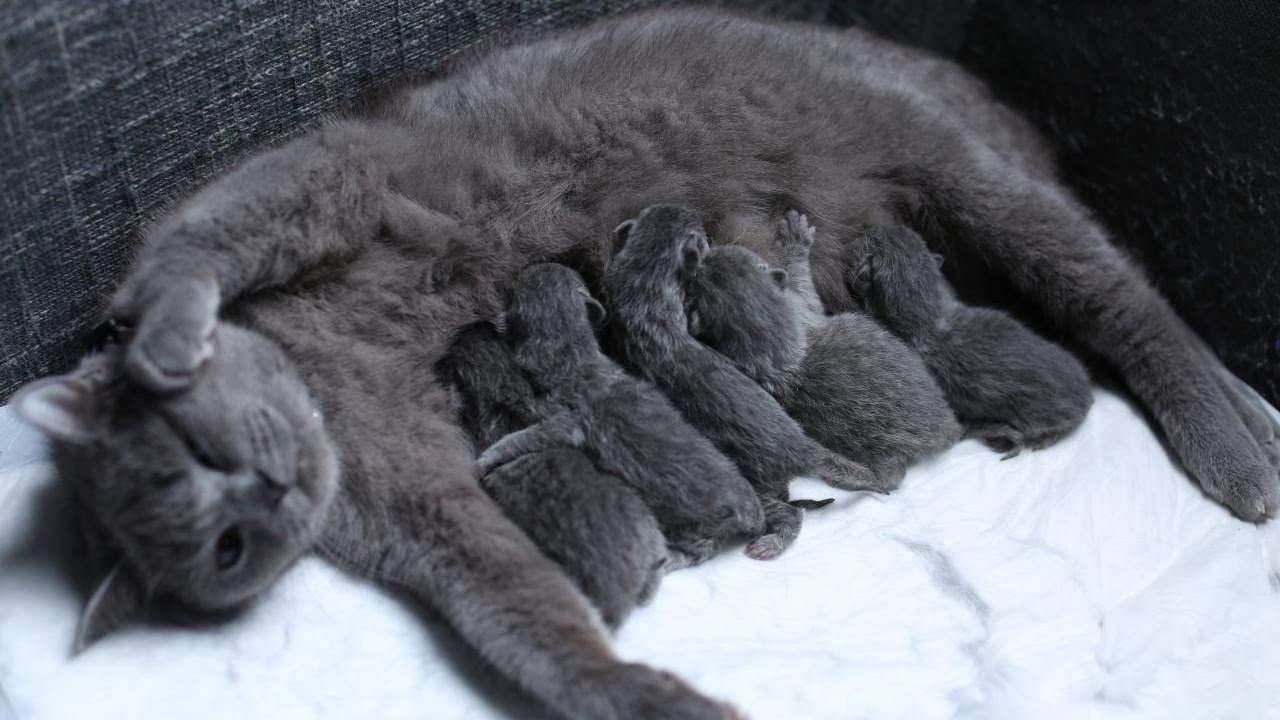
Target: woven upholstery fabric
point(1164, 113)
point(110, 110)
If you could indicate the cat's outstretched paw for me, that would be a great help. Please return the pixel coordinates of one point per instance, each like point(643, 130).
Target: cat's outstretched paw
point(173, 337)
point(1235, 470)
point(795, 235)
point(639, 692)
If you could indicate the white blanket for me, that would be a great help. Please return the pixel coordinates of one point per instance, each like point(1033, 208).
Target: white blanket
point(1089, 580)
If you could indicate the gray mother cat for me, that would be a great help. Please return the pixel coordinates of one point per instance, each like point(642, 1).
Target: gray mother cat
point(348, 247)
point(850, 384)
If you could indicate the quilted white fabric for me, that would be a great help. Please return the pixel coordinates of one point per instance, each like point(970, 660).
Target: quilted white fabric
point(1089, 580)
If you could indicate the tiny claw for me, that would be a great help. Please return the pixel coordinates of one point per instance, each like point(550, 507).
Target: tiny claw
point(806, 504)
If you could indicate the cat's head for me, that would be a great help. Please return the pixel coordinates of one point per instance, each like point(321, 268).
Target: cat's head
point(736, 304)
point(550, 303)
point(666, 239)
point(196, 499)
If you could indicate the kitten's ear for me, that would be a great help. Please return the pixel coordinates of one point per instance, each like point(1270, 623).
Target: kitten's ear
point(62, 407)
point(595, 313)
point(621, 233)
point(938, 259)
point(117, 601)
point(779, 277)
point(500, 323)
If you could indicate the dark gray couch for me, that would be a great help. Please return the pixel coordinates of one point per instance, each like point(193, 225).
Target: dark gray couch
point(1165, 117)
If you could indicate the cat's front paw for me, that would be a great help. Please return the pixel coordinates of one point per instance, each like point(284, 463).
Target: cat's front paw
point(173, 337)
point(639, 692)
point(795, 235)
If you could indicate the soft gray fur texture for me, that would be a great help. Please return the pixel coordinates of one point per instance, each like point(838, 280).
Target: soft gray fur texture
point(587, 521)
point(1009, 386)
point(661, 251)
point(360, 246)
point(848, 382)
point(624, 424)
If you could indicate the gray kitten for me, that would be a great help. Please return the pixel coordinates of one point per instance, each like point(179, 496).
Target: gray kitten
point(1009, 386)
point(360, 246)
point(587, 521)
point(625, 425)
point(661, 250)
point(850, 384)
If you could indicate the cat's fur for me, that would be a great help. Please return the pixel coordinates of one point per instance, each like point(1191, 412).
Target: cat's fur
point(848, 382)
point(645, 285)
point(349, 245)
point(624, 424)
point(1009, 386)
point(587, 521)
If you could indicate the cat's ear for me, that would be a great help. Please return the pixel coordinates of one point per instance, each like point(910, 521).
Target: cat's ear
point(621, 233)
point(595, 312)
point(63, 407)
point(117, 601)
point(938, 259)
point(779, 277)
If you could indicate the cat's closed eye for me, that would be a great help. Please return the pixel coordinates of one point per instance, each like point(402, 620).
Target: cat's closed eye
point(229, 548)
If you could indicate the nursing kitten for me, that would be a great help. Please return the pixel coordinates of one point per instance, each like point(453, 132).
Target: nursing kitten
point(1009, 387)
point(661, 250)
point(587, 521)
point(848, 382)
point(348, 247)
point(623, 424)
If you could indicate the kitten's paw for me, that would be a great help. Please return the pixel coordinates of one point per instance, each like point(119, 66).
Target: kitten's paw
point(795, 235)
point(174, 337)
point(766, 547)
point(638, 692)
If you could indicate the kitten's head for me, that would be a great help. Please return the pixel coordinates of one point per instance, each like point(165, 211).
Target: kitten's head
point(737, 305)
point(550, 305)
point(196, 499)
point(666, 240)
point(890, 271)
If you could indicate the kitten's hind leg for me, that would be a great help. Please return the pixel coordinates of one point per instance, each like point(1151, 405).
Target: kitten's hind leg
point(845, 474)
point(999, 436)
point(782, 527)
point(1044, 242)
point(555, 431)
